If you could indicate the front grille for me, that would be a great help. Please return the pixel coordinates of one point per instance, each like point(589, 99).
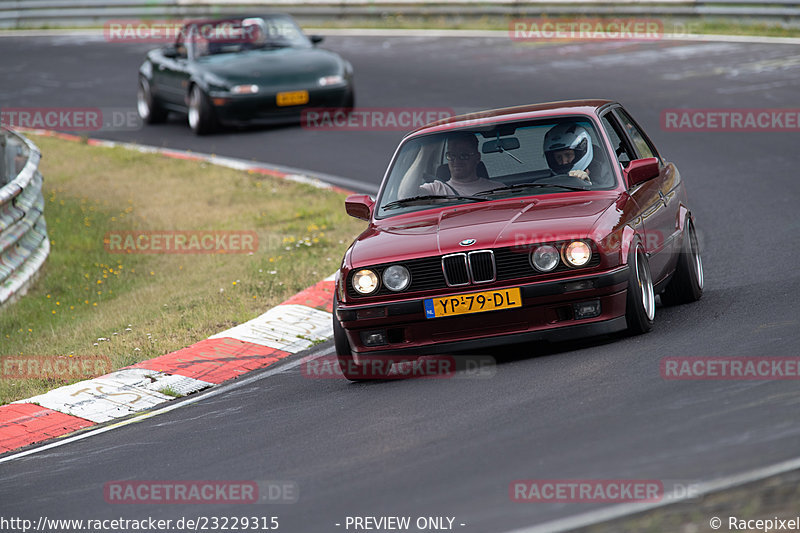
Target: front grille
point(481, 264)
point(455, 269)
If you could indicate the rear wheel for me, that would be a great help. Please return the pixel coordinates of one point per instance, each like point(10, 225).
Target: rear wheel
point(686, 284)
point(201, 114)
point(378, 369)
point(146, 105)
point(641, 301)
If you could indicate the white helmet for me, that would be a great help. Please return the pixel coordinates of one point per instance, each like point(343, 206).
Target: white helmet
point(568, 136)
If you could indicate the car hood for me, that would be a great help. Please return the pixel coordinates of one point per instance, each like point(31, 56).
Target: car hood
point(279, 66)
point(492, 225)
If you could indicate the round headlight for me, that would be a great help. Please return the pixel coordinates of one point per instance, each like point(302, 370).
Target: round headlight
point(577, 253)
point(396, 278)
point(365, 281)
point(545, 258)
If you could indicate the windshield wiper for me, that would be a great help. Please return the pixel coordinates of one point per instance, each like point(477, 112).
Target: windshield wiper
point(426, 198)
point(532, 185)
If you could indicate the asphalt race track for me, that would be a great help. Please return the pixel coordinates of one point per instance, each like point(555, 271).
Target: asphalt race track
point(596, 409)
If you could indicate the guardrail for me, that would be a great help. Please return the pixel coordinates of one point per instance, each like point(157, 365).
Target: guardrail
point(24, 245)
point(38, 13)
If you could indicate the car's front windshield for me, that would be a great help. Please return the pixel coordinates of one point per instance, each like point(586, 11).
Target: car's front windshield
point(497, 161)
point(239, 35)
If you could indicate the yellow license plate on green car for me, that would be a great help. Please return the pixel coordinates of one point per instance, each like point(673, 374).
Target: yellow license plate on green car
point(476, 302)
point(292, 98)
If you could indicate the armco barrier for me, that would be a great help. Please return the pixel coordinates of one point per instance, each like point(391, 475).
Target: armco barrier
point(23, 233)
point(48, 13)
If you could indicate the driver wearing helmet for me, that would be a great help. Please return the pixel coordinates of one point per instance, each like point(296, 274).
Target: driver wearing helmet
point(568, 150)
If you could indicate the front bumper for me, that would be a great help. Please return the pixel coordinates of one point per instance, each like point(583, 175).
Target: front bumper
point(262, 108)
point(546, 314)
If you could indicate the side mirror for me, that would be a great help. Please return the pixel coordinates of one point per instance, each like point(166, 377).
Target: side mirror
point(316, 39)
point(641, 170)
point(359, 206)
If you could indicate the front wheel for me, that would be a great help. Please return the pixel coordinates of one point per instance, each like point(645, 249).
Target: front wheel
point(686, 284)
point(640, 309)
point(350, 100)
point(146, 105)
point(201, 114)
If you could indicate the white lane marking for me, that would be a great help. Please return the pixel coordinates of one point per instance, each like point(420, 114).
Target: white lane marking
point(288, 327)
point(314, 182)
point(218, 389)
point(625, 509)
point(116, 395)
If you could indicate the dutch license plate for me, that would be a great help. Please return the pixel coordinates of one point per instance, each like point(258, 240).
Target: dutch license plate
point(476, 302)
point(292, 98)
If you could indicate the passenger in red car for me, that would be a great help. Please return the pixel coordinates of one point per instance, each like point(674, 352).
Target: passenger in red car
point(463, 158)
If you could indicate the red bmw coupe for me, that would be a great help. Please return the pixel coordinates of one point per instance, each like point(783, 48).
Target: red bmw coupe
point(543, 222)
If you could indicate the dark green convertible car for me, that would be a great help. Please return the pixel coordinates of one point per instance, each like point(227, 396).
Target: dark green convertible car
point(260, 69)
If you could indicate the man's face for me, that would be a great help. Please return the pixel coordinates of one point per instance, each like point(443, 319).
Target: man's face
point(460, 168)
point(564, 157)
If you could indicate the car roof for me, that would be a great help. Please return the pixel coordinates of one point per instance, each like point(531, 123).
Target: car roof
point(507, 114)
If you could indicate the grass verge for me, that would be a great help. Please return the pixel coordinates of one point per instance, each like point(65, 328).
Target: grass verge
point(125, 308)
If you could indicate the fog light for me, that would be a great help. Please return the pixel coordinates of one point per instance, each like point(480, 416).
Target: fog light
point(586, 309)
point(374, 338)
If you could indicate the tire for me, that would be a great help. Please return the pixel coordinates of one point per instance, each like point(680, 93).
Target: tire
point(686, 284)
point(350, 100)
point(640, 311)
point(150, 111)
point(350, 369)
point(201, 114)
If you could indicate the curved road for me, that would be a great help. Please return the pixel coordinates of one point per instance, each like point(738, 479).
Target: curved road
point(595, 409)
